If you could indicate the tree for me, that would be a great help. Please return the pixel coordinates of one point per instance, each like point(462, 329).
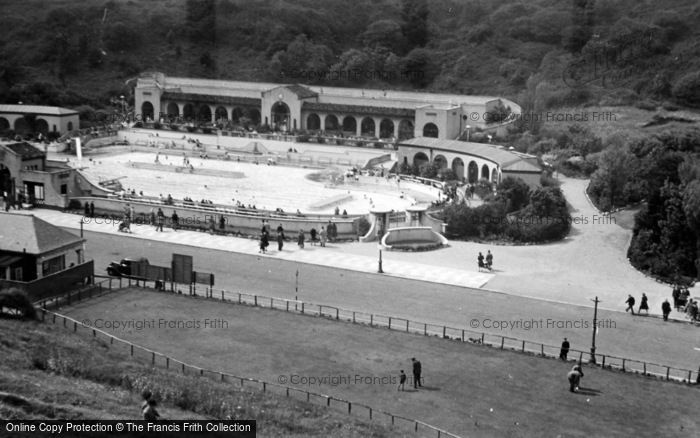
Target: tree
point(514, 193)
point(385, 33)
point(616, 167)
point(415, 17)
point(687, 89)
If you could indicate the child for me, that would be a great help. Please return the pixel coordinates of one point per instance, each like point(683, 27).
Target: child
point(402, 381)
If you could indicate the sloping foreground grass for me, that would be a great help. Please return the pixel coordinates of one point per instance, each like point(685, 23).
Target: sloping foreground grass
point(49, 373)
point(469, 389)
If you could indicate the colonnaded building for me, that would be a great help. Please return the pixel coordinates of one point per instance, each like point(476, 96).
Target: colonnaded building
point(352, 111)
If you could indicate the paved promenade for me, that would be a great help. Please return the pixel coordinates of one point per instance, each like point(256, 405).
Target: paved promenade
point(590, 262)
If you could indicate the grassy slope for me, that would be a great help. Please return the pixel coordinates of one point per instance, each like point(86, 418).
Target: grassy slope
point(47, 373)
point(529, 396)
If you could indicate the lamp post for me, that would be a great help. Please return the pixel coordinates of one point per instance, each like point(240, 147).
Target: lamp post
point(595, 327)
point(468, 128)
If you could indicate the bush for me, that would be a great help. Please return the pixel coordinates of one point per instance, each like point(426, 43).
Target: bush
point(687, 89)
point(15, 303)
point(363, 226)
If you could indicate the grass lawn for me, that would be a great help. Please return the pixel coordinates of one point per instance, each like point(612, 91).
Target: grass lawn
point(48, 372)
point(469, 389)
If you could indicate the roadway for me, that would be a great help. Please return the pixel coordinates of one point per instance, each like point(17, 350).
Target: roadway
point(645, 338)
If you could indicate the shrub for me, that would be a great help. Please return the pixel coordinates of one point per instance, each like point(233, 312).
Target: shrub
point(687, 89)
point(363, 226)
point(16, 303)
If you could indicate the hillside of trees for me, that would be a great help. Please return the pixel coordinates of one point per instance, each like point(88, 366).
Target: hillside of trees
point(542, 53)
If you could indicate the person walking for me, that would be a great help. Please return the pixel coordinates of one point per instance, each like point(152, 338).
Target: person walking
point(417, 371)
point(644, 305)
point(666, 309)
point(480, 261)
point(489, 260)
point(402, 381)
point(312, 234)
point(630, 304)
point(574, 377)
point(160, 219)
point(564, 352)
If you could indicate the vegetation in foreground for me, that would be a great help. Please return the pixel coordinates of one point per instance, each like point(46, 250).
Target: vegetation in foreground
point(50, 374)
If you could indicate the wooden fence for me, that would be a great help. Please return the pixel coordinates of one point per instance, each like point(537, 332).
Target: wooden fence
point(159, 359)
point(605, 361)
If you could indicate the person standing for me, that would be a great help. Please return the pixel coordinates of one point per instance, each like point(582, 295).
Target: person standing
point(417, 371)
point(322, 236)
point(264, 241)
point(564, 352)
point(489, 259)
point(644, 305)
point(280, 237)
point(176, 220)
point(160, 219)
point(313, 233)
point(666, 309)
point(630, 304)
point(402, 381)
point(574, 377)
point(676, 294)
point(87, 209)
point(300, 239)
point(480, 261)
point(92, 209)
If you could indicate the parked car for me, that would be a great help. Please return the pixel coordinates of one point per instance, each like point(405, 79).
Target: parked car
point(123, 268)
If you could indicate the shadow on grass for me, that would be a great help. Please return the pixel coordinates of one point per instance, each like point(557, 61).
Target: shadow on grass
point(589, 391)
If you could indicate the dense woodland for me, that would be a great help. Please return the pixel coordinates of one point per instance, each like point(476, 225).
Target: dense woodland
point(543, 54)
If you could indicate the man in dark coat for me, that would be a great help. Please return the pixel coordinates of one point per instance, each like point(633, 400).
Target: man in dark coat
point(417, 370)
point(666, 309)
point(564, 349)
point(630, 304)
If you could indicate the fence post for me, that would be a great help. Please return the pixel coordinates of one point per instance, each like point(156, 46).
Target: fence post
point(503, 340)
point(349, 407)
point(390, 323)
point(482, 338)
point(222, 295)
point(623, 364)
point(407, 322)
point(371, 319)
point(690, 376)
point(222, 377)
point(353, 317)
point(328, 401)
point(287, 305)
point(272, 304)
point(645, 368)
point(668, 372)
point(444, 331)
point(256, 300)
point(302, 307)
point(337, 313)
point(75, 326)
point(603, 361)
point(462, 335)
point(523, 346)
point(370, 413)
point(153, 359)
point(132, 349)
point(425, 329)
point(167, 363)
point(542, 349)
point(239, 298)
point(320, 310)
point(264, 387)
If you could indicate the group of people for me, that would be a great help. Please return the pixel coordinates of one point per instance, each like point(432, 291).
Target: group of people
point(485, 262)
point(329, 232)
point(681, 302)
point(644, 305)
point(417, 369)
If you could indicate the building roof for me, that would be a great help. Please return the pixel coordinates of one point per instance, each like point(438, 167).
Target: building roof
point(37, 109)
point(301, 91)
point(25, 150)
point(353, 96)
point(506, 159)
point(26, 233)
